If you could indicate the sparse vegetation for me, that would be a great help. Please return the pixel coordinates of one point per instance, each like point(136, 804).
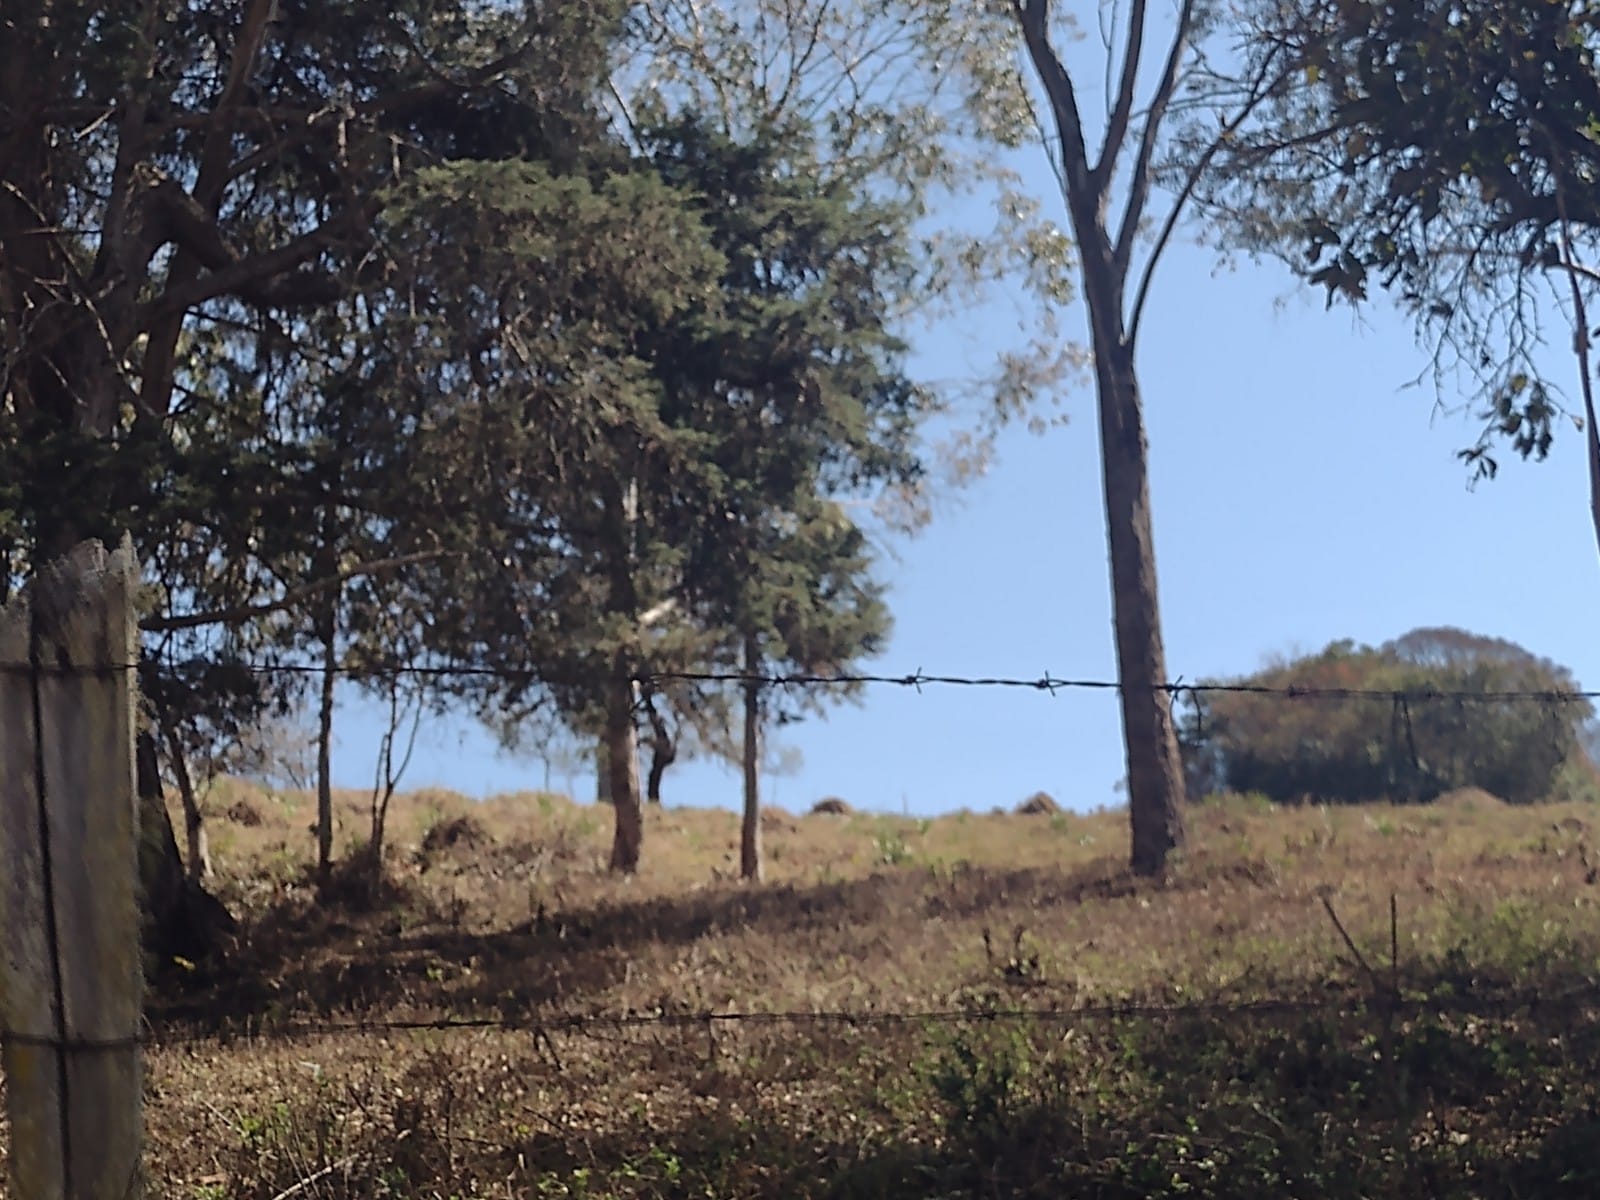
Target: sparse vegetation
point(1474, 1082)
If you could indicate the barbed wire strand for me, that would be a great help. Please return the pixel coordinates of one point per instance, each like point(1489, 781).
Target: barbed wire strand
point(1352, 1002)
point(916, 680)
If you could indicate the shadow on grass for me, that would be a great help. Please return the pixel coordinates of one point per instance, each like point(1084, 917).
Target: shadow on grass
point(309, 959)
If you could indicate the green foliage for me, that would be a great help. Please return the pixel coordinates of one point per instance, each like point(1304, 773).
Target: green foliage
point(1439, 720)
point(1346, 1104)
point(985, 1086)
point(914, 102)
point(891, 849)
point(1442, 150)
point(799, 380)
point(201, 358)
point(471, 336)
point(727, 384)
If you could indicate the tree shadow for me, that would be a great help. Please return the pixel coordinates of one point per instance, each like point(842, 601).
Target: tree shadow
point(306, 961)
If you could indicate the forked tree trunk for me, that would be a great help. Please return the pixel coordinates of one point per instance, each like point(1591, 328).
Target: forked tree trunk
point(1155, 768)
point(194, 822)
point(181, 919)
point(1155, 773)
point(622, 771)
point(663, 751)
point(750, 834)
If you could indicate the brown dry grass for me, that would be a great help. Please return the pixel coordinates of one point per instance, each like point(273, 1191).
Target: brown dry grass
point(503, 910)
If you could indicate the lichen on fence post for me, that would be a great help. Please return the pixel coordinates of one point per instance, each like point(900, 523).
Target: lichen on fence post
point(71, 977)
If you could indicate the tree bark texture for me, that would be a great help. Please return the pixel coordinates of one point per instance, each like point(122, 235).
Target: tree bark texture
point(622, 771)
point(1155, 768)
point(1155, 775)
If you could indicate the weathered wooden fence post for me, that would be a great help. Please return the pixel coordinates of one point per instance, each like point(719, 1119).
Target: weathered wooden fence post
point(71, 977)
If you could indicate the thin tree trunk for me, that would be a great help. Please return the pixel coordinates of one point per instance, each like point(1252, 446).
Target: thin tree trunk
point(622, 770)
point(387, 782)
point(1155, 773)
point(194, 825)
point(661, 757)
point(602, 772)
point(325, 745)
point(663, 751)
point(181, 918)
point(750, 835)
point(1155, 768)
point(161, 876)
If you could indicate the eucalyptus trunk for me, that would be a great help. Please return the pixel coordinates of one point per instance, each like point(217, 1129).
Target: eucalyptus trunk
point(1155, 768)
point(1105, 259)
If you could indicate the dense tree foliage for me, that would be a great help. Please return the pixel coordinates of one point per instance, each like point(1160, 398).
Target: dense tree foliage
point(187, 202)
point(1448, 710)
point(471, 338)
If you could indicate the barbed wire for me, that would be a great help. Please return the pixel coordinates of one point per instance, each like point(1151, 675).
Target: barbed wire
point(1352, 1001)
point(917, 680)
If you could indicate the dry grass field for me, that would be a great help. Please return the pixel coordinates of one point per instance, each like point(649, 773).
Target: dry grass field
point(1213, 1033)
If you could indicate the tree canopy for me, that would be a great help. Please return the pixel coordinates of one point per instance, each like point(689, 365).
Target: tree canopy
point(1445, 152)
point(1434, 710)
point(490, 340)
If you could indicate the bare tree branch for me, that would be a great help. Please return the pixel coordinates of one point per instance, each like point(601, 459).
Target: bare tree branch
point(1139, 183)
point(1580, 346)
point(211, 179)
point(1034, 16)
point(1259, 91)
point(247, 612)
point(267, 278)
point(1122, 112)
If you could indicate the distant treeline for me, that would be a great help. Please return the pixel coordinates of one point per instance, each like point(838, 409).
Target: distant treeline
point(1406, 745)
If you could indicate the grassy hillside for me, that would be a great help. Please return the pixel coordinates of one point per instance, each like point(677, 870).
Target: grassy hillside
point(1211, 1034)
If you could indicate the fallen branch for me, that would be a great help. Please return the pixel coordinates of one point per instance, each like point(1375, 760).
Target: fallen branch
point(316, 1176)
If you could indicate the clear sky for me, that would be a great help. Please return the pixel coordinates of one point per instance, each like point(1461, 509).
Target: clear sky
point(1302, 493)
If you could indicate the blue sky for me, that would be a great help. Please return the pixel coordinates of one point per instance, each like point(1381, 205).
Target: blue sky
point(1302, 493)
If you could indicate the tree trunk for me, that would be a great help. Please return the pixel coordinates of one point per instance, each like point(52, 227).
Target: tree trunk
point(750, 835)
point(325, 745)
point(622, 770)
point(181, 919)
point(161, 873)
point(194, 824)
point(602, 772)
point(1155, 769)
point(663, 751)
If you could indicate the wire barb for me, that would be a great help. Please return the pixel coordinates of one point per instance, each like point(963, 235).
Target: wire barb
point(918, 680)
